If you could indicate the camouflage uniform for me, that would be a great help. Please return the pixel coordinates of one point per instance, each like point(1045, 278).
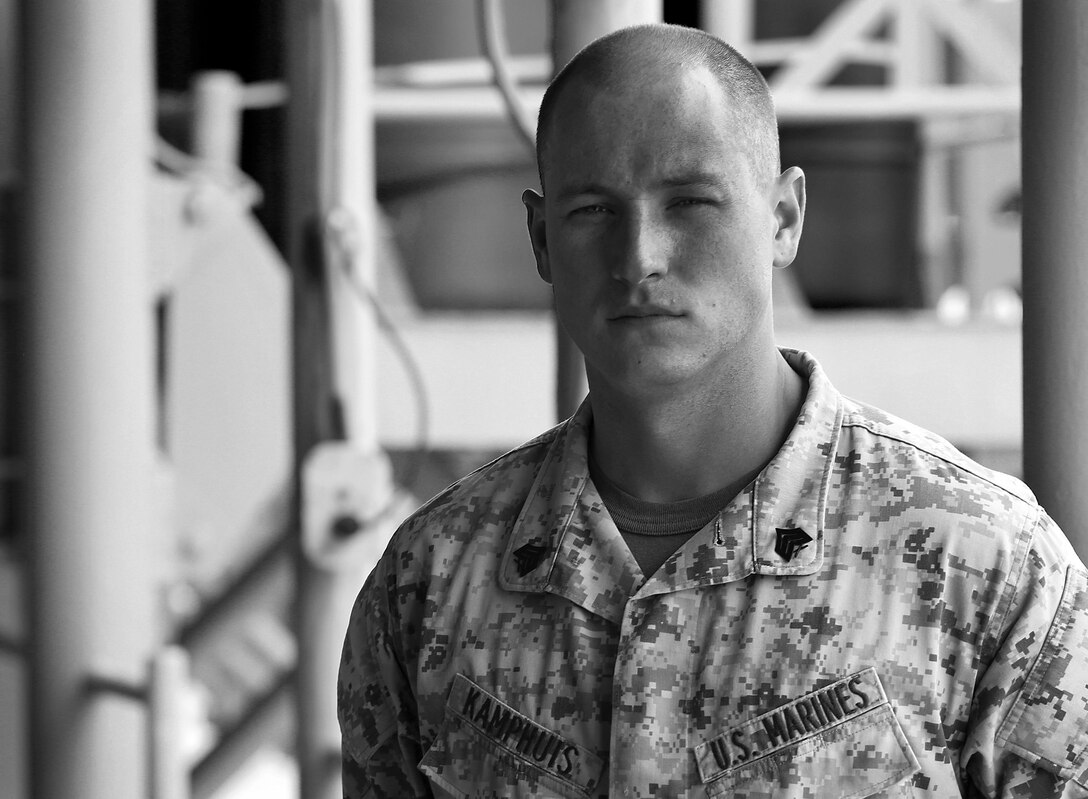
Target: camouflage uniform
point(875, 615)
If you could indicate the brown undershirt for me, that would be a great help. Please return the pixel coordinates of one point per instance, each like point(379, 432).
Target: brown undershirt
point(653, 531)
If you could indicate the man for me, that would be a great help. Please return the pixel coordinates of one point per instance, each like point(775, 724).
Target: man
point(720, 577)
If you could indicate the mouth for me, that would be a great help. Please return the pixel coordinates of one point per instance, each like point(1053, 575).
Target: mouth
point(636, 312)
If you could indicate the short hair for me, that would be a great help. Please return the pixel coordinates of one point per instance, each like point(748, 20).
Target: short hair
point(743, 84)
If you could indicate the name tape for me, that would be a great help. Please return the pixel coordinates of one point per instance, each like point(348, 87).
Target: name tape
point(521, 736)
point(801, 718)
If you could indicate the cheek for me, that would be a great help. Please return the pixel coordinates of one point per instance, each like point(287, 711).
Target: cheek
point(734, 265)
point(571, 300)
point(576, 272)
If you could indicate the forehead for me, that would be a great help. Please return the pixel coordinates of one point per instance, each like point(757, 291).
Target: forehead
point(642, 126)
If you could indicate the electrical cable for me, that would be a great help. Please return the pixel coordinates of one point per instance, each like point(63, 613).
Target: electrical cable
point(412, 371)
point(489, 18)
point(341, 242)
point(338, 239)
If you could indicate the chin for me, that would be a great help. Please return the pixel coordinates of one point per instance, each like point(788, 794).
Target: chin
point(649, 376)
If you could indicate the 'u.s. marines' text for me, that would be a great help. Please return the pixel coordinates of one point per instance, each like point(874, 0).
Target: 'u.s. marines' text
point(812, 713)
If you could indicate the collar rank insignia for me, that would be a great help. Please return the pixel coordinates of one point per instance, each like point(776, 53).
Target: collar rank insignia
point(528, 557)
point(789, 541)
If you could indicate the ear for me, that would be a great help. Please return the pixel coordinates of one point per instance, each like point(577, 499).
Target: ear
point(534, 208)
point(789, 212)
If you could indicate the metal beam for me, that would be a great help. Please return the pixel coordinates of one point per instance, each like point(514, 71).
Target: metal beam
point(820, 61)
point(731, 20)
point(332, 251)
point(86, 155)
point(975, 36)
point(825, 104)
point(1055, 239)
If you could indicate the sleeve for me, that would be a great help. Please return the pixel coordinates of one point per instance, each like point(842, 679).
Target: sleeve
point(1028, 734)
point(376, 706)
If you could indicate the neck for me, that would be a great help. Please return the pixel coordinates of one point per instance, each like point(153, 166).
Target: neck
point(684, 444)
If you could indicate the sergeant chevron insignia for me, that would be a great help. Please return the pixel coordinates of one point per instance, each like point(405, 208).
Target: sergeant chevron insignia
point(528, 557)
point(789, 541)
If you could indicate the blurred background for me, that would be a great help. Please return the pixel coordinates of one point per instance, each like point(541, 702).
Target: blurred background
point(265, 285)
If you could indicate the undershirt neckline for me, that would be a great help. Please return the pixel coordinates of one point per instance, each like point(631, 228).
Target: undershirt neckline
point(639, 517)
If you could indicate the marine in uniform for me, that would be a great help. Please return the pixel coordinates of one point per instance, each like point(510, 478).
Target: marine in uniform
point(720, 577)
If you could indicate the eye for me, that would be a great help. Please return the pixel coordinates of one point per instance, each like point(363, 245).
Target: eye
point(590, 210)
point(683, 202)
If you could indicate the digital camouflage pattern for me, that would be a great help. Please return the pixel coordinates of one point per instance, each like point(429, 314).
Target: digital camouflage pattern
point(930, 639)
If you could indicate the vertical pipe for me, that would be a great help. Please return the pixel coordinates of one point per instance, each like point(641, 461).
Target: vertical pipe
point(86, 150)
point(217, 121)
point(310, 339)
point(332, 226)
point(348, 207)
point(1055, 239)
point(576, 23)
point(911, 35)
point(346, 196)
point(9, 92)
point(168, 678)
point(733, 21)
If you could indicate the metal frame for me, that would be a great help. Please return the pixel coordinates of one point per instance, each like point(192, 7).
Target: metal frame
point(805, 65)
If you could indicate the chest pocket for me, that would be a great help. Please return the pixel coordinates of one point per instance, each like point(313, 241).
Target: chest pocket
point(486, 748)
point(841, 742)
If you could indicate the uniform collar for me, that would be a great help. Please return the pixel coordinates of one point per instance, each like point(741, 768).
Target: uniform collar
point(564, 542)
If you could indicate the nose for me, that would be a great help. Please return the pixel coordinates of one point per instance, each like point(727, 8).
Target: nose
point(643, 252)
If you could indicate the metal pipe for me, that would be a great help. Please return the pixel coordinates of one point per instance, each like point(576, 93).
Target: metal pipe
point(217, 121)
point(168, 677)
point(733, 21)
point(333, 245)
point(347, 205)
point(1055, 239)
point(311, 361)
point(86, 150)
point(576, 23)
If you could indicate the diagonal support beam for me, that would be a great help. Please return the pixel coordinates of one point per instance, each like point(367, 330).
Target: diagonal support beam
point(849, 27)
point(831, 43)
point(976, 37)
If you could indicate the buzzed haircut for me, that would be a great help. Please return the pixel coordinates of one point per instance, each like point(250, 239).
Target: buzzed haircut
point(744, 86)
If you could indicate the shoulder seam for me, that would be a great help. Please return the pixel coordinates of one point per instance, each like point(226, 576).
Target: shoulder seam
point(545, 439)
point(1028, 501)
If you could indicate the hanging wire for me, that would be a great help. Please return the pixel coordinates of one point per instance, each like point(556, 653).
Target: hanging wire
point(415, 378)
point(489, 17)
point(341, 246)
point(341, 241)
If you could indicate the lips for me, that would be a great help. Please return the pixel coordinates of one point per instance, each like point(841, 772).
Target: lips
point(643, 312)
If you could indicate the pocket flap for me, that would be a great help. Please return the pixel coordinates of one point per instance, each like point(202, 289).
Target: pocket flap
point(485, 742)
point(841, 741)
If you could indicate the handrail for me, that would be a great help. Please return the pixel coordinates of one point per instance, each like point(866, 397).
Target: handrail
point(221, 606)
point(239, 740)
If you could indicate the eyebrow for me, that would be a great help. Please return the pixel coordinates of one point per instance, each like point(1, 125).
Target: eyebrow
point(708, 179)
point(705, 179)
